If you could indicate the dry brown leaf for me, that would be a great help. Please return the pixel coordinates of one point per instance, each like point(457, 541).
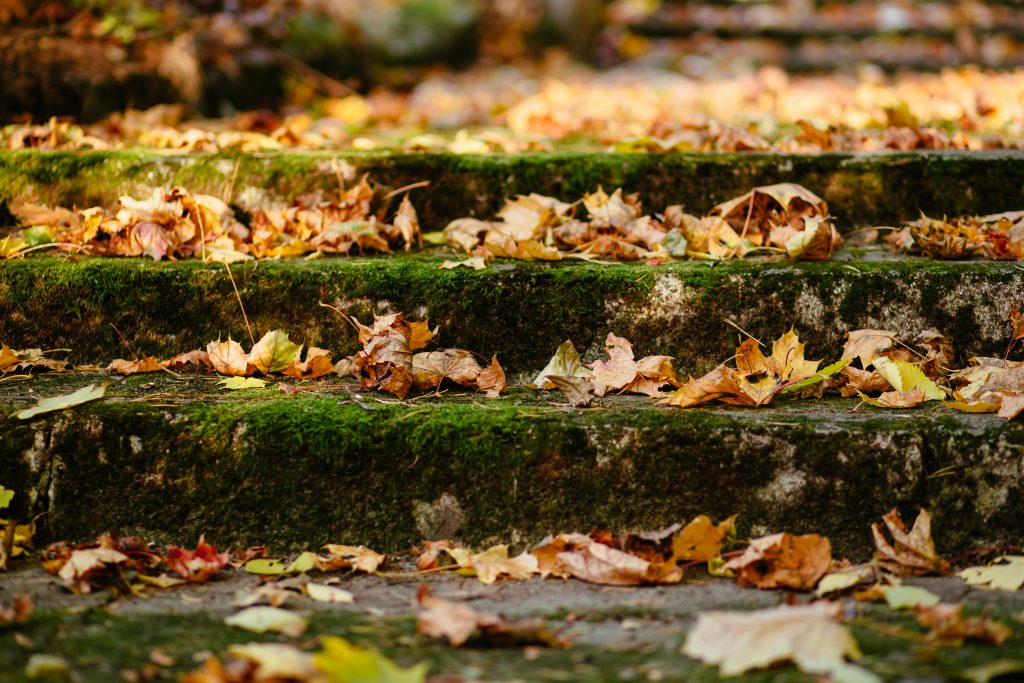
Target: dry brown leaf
point(867, 345)
point(947, 622)
point(783, 561)
point(491, 564)
point(431, 368)
point(356, 557)
point(911, 553)
point(585, 559)
point(701, 540)
point(579, 391)
point(228, 358)
point(458, 622)
point(491, 379)
point(132, 367)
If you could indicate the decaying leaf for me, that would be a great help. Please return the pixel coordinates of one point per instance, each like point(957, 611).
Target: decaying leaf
point(457, 623)
point(27, 360)
point(578, 390)
point(810, 636)
point(274, 352)
point(783, 561)
point(228, 358)
point(343, 662)
point(701, 539)
point(132, 367)
point(565, 363)
point(355, 557)
point(494, 563)
point(947, 622)
point(1005, 573)
point(325, 593)
point(262, 619)
point(584, 558)
point(75, 398)
point(199, 565)
point(623, 374)
point(237, 383)
point(911, 553)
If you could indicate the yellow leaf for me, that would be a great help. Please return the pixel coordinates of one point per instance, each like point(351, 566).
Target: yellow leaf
point(75, 398)
point(273, 353)
point(904, 377)
point(1004, 574)
point(343, 662)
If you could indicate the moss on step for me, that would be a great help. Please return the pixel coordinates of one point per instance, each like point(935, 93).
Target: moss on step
point(308, 469)
point(860, 188)
point(521, 311)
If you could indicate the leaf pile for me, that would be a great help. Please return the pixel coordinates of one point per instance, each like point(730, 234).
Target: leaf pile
point(387, 362)
point(177, 224)
point(999, 237)
point(785, 217)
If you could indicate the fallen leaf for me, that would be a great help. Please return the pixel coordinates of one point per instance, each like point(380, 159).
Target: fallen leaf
point(430, 369)
point(910, 553)
point(236, 383)
point(75, 398)
point(274, 662)
point(896, 399)
point(199, 565)
point(228, 358)
point(19, 612)
point(907, 597)
point(581, 557)
point(474, 262)
point(947, 622)
point(810, 636)
point(357, 557)
point(343, 662)
point(491, 564)
point(491, 379)
point(846, 577)
point(783, 561)
point(84, 565)
point(268, 619)
point(324, 593)
point(132, 367)
point(565, 363)
point(579, 391)
point(47, 666)
point(701, 540)
point(458, 622)
point(867, 345)
point(267, 567)
point(1005, 573)
point(273, 352)
point(905, 377)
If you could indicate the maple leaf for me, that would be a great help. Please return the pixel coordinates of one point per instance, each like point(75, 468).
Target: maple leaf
point(491, 379)
point(491, 564)
point(867, 345)
point(196, 359)
point(355, 557)
point(386, 360)
point(431, 368)
point(132, 367)
point(317, 363)
point(905, 377)
point(228, 358)
point(947, 622)
point(431, 552)
point(26, 359)
point(814, 243)
point(85, 565)
point(274, 352)
point(944, 239)
point(702, 539)
point(611, 211)
point(896, 399)
point(343, 662)
point(911, 553)
point(578, 390)
point(236, 383)
point(810, 636)
point(783, 561)
point(565, 363)
point(773, 211)
point(1005, 573)
point(196, 566)
point(581, 557)
point(624, 374)
point(407, 224)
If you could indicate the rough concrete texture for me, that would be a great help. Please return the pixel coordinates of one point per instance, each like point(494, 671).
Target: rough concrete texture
point(617, 634)
point(162, 457)
point(522, 311)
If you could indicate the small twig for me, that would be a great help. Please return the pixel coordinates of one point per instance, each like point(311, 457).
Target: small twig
point(124, 341)
point(202, 232)
point(410, 186)
point(746, 225)
point(229, 191)
point(63, 245)
point(339, 312)
point(729, 322)
point(240, 305)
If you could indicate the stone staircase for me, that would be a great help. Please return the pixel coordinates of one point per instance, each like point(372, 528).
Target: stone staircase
point(170, 458)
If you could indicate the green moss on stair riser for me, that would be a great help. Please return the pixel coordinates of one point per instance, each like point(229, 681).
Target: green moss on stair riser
point(521, 311)
point(861, 189)
point(298, 471)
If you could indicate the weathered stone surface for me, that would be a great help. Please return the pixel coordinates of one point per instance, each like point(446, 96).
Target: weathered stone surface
point(167, 458)
point(521, 311)
point(861, 189)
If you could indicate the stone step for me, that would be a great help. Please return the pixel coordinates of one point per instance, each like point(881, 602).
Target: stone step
point(174, 458)
point(520, 310)
point(861, 189)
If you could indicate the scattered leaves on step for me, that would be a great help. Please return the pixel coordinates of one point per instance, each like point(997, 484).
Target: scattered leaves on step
point(783, 561)
point(343, 662)
point(492, 564)
point(457, 622)
point(178, 224)
point(261, 619)
point(948, 623)
point(196, 566)
point(810, 636)
point(356, 557)
point(1005, 573)
point(582, 557)
point(909, 553)
point(755, 380)
point(27, 360)
point(86, 394)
